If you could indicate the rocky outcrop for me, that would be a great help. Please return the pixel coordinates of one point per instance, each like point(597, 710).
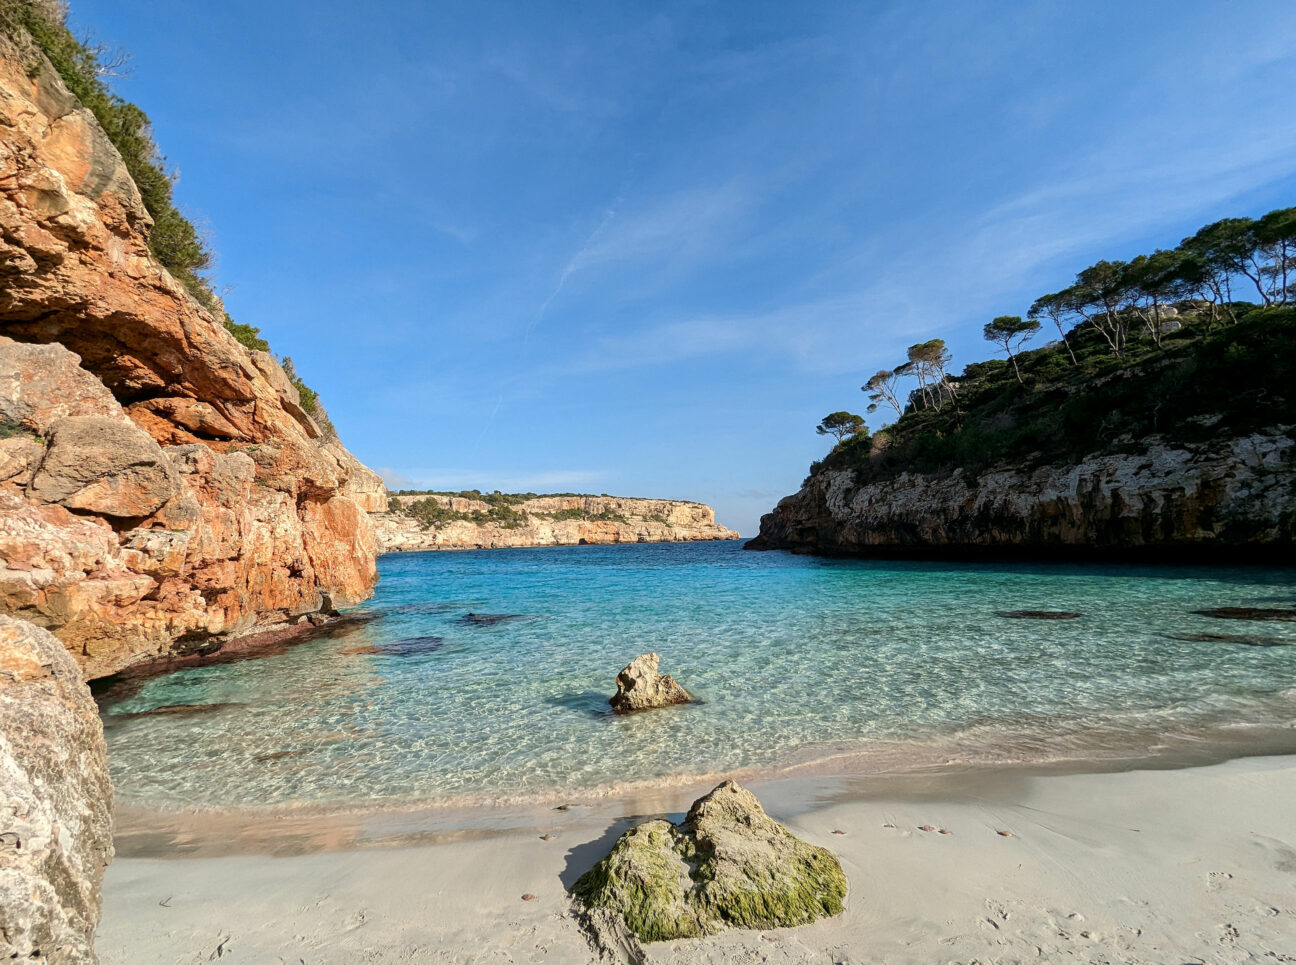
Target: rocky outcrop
point(55, 801)
point(729, 865)
point(162, 489)
point(552, 521)
point(641, 687)
point(1233, 496)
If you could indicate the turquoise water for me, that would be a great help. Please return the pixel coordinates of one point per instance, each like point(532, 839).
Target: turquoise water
point(832, 664)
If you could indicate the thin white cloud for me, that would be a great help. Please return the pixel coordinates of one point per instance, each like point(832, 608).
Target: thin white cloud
point(456, 479)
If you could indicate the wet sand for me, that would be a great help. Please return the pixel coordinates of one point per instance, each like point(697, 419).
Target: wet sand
point(1193, 864)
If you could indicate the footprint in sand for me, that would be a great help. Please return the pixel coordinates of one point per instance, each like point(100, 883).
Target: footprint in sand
point(1217, 880)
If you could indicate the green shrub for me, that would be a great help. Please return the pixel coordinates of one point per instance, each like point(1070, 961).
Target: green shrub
point(248, 336)
point(1236, 378)
point(173, 239)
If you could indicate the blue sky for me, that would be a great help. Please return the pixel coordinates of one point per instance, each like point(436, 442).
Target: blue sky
point(642, 248)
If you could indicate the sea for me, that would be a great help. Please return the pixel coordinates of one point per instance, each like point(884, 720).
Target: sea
point(483, 677)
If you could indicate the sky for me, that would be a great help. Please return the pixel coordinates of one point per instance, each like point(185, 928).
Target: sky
point(643, 248)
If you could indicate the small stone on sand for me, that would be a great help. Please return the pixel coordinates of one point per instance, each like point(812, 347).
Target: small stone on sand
point(563, 807)
point(1004, 834)
point(925, 827)
point(946, 831)
point(529, 897)
point(546, 837)
point(838, 831)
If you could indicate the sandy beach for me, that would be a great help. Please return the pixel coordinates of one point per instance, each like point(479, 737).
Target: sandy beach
point(1189, 865)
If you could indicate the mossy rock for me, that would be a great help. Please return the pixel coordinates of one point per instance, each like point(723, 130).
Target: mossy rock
point(728, 865)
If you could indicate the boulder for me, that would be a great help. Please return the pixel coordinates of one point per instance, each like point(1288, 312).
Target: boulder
point(641, 687)
point(55, 801)
point(103, 466)
point(728, 865)
point(42, 383)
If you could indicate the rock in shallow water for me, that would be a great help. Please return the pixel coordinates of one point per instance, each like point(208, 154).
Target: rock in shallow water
point(1240, 640)
point(1037, 614)
point(729, 865)
point(1249, 613)
point(489, 619)
point(641, 687)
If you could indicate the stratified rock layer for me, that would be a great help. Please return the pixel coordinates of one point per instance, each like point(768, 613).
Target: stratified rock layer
point(55, 802)
point(641, 687)
point(729, 865)
point(161, 487)
point(1234, 496)
point(602, 520)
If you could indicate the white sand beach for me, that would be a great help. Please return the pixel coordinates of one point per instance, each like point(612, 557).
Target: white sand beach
point(1156, 866)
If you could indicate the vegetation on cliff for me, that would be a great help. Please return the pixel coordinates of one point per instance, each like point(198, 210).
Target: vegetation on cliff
point(1156, 345)
point(39, 30)
point(502, 509)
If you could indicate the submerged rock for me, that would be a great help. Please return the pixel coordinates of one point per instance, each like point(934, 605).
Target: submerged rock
point(1248, 613)
point(1239, 639)
point(729, 865)
point(489, 619)
point(411, 646)
point(1037, 614)
point(641, 687)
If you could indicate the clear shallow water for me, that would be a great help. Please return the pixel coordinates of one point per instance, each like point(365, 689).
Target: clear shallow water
point(864, 665)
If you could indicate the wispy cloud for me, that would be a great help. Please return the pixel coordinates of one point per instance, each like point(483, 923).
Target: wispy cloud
point(487, 480)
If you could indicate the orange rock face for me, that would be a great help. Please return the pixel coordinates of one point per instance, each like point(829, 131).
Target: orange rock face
point(161, 487)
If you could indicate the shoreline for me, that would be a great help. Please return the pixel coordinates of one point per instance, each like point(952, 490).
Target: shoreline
point(144, 829)
point(1134, 865)
point(395, 550)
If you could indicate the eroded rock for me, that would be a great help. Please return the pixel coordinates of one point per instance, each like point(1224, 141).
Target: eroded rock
point(641, 687)
point(102, 466)
point(55, 801)
point(728, 865)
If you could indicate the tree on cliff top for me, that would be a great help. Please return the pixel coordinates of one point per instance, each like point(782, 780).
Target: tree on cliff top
point(882, 388)
point(1012, 332)
point(841, 424)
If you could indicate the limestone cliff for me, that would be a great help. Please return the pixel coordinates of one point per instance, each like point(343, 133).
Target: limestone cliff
point(551, 521)
point(161, 486)
point(1230, 497)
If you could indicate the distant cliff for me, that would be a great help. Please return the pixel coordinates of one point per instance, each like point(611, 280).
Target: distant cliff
point(162, 486)
point(441, 521)
point(1228, 498)
point(1184, 452)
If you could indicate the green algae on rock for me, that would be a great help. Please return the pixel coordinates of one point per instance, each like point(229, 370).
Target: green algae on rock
point(728, 865)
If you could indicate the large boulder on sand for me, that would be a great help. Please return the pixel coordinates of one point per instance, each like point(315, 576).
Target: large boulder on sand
point(55, 801)
point(729, 865)
point(641, 687)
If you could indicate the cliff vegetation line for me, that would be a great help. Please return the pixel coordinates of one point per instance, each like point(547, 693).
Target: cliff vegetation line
point(38, 28)
point(1186, 344)
point(507, 510)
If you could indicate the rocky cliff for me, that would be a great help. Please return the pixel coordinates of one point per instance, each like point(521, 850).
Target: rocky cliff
point(1230, 497)
point(549, 521)
point(161, 486)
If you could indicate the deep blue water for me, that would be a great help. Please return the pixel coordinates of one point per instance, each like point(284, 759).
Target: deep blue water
point(883, 665)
